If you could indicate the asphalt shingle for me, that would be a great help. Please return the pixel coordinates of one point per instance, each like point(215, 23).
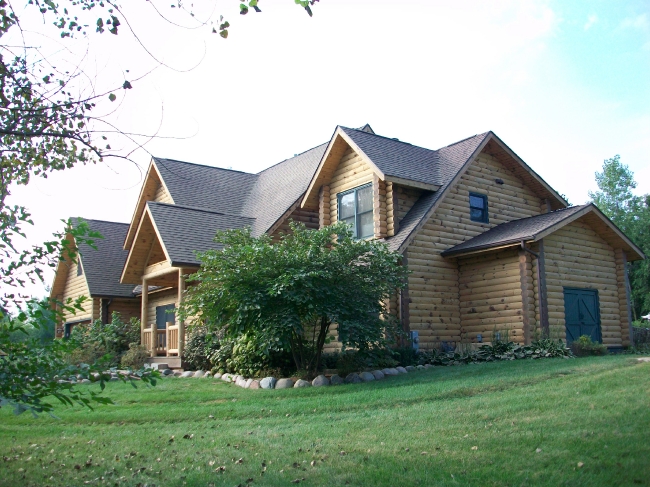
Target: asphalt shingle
point(515, 231)
point(185, 231)
point(103, 266)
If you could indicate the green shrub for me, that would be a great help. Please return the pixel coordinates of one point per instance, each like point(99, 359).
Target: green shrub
point(134, 357)
point(584, 347)
point(406, 356)
point(199, 346)
point(107, 341)
point(251, 356)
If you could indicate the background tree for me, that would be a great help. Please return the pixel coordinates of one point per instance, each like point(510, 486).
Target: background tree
point(631, 213)
point(290, 293)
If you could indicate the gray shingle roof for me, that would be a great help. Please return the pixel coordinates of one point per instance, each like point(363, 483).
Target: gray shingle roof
point(185, 231)
point(450, 160)
point(103, 266)
point(213, 188)
point(398, 159)
point(279, 187)
point(514, 231)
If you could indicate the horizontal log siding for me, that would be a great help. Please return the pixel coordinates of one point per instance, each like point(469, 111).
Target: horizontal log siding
point(351, 172)
point(434, 287)
point(501, 310)
point(76, 286)
point(299, 215)
point(160, 298)
point(127, 308)
point(594, 269)
point(404, 198)
point(622, 297)
point(161, 195)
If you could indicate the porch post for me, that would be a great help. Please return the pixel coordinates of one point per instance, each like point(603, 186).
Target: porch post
point(144, 311)
point(181, 324)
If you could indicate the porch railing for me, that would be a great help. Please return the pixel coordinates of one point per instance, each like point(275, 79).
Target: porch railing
point(173, 332)
point(146, 338)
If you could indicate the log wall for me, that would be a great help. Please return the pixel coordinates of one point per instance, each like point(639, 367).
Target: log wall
point(576, 256)
point(379, 207)
point(300, 215)
point(403, 199)
point(161, 195)
point(76, 286)
point(128, 308)
point(434, 286)
point(351, 172)
point(160, 298)
point(491, 296)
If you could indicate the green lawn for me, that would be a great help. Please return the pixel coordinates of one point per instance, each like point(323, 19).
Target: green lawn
point(510, 423)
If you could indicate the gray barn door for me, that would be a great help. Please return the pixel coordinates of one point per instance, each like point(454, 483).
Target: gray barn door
point(582, 314)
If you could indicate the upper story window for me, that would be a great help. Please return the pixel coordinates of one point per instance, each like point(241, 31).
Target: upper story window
point(478, 207)
point(355, 208)
point(80, 269)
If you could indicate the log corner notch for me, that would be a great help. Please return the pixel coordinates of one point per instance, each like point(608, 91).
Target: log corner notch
point(324, 216)
point(541, 286)
point(526, 294)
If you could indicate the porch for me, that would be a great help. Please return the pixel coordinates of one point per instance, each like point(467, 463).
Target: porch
point(162, 332)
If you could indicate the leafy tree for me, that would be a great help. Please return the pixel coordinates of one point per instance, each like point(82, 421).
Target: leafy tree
point(631, 213)
point(290, 293)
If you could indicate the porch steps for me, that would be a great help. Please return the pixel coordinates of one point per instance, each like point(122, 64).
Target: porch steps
point(171, 362)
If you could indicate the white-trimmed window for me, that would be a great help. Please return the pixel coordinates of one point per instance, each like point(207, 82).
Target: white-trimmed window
point(355, 208)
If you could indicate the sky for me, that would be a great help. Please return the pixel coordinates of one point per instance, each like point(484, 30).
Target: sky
point(564, 84)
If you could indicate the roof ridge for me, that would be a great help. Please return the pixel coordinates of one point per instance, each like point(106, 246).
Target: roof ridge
point(387, 138)
point(99, 221)
point(203, 165)
point(463, 140)
point(288, 159)
point(196, 208)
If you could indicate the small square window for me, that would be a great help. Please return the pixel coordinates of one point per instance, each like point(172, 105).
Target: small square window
point(355, 208)
point(478, 207)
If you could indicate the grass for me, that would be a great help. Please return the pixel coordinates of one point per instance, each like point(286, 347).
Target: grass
point(497, 424)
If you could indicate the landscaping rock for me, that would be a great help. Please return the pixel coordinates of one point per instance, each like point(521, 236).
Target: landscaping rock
point(353, 378)
point(168, 372)
point(320, 381)
point(427, 366)
point(86, 381)
point(268, 383)
point(113, 379)
point(178, 373)
point(336, 380)
point(421, 367)
point(226, 378)
point(254, 385)
point(366, 376)
point(188, 373)
point(207, 375)
point(302, 383)
point(409, 368)
point(378, 374)
point(198, 374)
point(401, 370)
point(248, 383)
point(284, 384)
point(390, 372)
point(241, 382)
point(217, 375)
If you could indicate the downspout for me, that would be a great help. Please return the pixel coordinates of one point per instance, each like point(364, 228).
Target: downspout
point(542, 308)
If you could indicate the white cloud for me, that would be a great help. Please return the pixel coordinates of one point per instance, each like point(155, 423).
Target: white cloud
point(591, 20)
point(638, 22)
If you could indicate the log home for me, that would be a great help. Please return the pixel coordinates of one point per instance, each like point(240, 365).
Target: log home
point(95, 274)
point(491, 246)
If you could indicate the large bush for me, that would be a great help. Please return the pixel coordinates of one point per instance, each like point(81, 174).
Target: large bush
point(199, 346)
point(292, 291)
point(105, 341)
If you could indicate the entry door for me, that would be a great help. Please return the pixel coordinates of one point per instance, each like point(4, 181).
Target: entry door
point(163, 316)
point(582, 314)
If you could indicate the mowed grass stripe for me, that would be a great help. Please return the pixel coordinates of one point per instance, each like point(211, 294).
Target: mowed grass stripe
point(593, 411)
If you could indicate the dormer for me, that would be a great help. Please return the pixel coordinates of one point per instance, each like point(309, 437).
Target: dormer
point(363, 179)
